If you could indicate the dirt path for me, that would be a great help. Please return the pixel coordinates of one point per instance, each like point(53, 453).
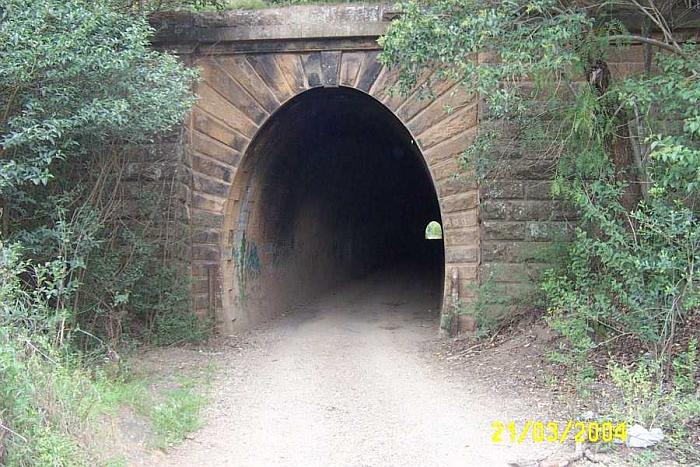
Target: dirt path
point(347, 381)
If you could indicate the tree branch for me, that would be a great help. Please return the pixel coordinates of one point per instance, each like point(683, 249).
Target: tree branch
point(647, 40)
point(6, 428)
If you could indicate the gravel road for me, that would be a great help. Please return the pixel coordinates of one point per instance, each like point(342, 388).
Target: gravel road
point(348, 380)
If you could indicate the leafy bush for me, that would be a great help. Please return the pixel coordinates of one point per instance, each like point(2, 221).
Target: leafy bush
point(685, 366)
point(649, 398)
point(76, 75)
point(44, 397)
point(77, 80)
point(245, 4)
point(634, 271)
point(79, 86)
point(642, 395)
point(50, 395)
point(29, 407)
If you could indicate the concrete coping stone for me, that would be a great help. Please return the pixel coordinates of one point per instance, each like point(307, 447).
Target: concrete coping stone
point(355, 20)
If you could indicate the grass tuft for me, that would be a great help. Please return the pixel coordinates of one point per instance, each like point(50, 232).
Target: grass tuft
point(177, 415)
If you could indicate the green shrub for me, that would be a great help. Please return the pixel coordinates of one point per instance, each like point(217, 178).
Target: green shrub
point(45, 401)
point(180, 327)
point(177, 415)
point(685, 366)
point(245, 4)
point(642, 391)
point(651, 399)
point(77, 80)
point(50, 393)
point(76, 75)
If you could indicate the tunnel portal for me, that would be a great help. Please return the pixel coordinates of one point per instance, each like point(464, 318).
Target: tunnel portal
point(303, 169)
point(334, 188)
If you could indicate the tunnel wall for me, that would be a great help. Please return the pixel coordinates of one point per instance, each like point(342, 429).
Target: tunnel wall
point(252, 63)
point(519, 218)
point(240, 91)
point(238, 94)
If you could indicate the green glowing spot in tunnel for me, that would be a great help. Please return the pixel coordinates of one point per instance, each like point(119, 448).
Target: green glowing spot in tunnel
point(433, 231)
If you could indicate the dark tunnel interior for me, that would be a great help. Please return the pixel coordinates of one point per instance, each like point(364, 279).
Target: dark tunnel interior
point(336, 190)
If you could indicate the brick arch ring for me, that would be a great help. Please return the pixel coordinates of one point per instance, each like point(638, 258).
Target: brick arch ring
point(240, 93)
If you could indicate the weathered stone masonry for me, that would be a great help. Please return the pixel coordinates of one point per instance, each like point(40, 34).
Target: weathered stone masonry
point(253, 62)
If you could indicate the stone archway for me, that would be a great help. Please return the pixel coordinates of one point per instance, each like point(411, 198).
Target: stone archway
point(332, 188)
point(239, 93)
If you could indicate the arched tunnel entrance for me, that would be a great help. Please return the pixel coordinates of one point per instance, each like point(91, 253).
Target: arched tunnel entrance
point(332, 188)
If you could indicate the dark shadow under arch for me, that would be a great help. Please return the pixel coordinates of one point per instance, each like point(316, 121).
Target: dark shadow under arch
point(332, 188)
